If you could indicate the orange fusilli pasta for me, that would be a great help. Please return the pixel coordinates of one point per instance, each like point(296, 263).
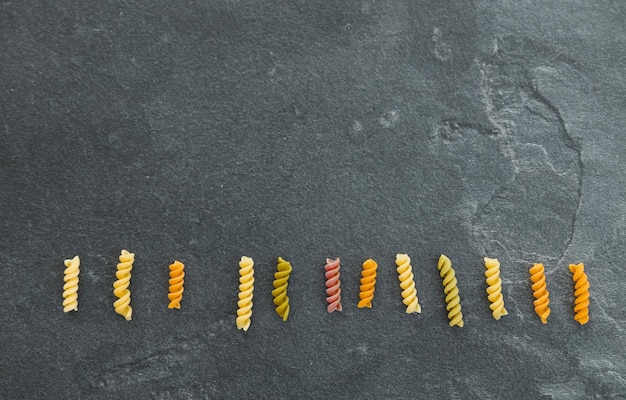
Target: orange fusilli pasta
point(177, 282)
point(581, 293)
point(540, 292)
point(368, 283)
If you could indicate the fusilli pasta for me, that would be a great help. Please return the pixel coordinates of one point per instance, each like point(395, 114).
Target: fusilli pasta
point(407, 283)
point(368, 283)
point(177, 282)
point(333, 284)
point(541, 294)
point(120, 286)
point(494, 288)
point(246, 290)
point(281, 281)
point(451, 291)
point(581, 292)
point(70, 288)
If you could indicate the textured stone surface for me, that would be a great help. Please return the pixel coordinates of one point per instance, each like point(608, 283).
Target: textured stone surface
point(203, 131)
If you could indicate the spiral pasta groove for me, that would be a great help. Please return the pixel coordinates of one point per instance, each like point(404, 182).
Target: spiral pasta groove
point(581, 293)
point(120, 286)
point(368, 283)
point(246, 291)
point(70, 287)
point(333, 284)
point(176, 282)
point(540, 292)
point(281, 282)
point(407, 284)
point(451, 290)
point(494, 288)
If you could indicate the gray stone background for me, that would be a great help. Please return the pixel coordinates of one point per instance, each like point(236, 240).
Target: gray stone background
point(206, 130)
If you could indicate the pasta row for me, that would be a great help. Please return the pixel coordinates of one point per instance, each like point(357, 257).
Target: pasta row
point(120, 286)
point(581, 293)
point(177, 282)
point(281, 281)
point(333, 285)
point(368, 283)
point(451, 291)
point(407, 283)
point(70, 287)
point(246, 290)
point(541, 294)
point(494, 288)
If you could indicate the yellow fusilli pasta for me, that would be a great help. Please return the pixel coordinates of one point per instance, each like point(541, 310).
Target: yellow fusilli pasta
point(451, 291)
point(368, 283)
point(177, 282)
point(581, 292)
point(120, 286)
point(494, 288)
point(407, 283)
point(246, 290)
point(281, 281)
point(70, 288)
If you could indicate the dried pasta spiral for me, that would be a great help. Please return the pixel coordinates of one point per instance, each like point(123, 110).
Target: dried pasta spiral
point(281, 281)
point(581, 292)
point(368, 283)
point(70, 287)
point(246, 289)
point(451, 291)
point(541, 294)
point(333, 284)
point(177, 282)
point(407, 283)
point(494, 288)
point(120, 286)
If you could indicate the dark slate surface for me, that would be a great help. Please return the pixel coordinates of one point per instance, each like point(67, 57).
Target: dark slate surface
point(203, 131)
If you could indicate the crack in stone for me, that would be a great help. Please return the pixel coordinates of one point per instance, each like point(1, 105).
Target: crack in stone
point(546, 154)
point(489, 106)
point(509, 143)
point(502, 126)
point(538, 113)
point(577, 147)
point(451, 130)
point(142, 368)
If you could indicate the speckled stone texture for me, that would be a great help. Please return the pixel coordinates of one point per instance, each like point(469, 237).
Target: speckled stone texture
point(207, 130)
